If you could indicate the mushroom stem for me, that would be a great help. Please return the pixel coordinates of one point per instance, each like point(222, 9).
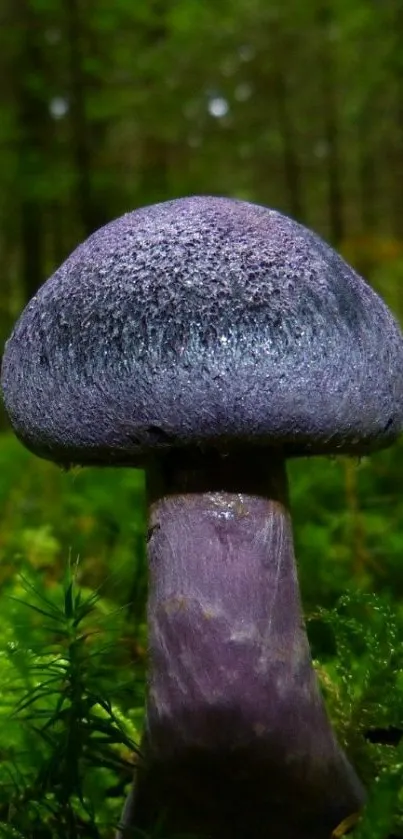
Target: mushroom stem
point(238, 742)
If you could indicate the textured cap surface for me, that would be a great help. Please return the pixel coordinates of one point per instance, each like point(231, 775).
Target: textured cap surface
point(203, 320)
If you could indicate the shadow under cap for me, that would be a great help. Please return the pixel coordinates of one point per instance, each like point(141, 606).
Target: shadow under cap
point(203, 321)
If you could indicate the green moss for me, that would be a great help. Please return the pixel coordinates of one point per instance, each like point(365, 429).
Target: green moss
point(72, 648)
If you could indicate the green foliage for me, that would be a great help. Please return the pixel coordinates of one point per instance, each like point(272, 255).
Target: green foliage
point(46, 514)
point(362, 682)
point(72, 661)
point(73, 723)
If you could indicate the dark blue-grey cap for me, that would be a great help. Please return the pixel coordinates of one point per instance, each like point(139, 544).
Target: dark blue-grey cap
point(203, 322)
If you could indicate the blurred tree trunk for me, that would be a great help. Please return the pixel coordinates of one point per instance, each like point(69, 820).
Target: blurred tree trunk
point(32, 125)
point(89, 214)
point(153, 174)
point(287, 131)
point(398, 87)
point(283, 43)
point(367, 176)
point(328, 83)
point(279, 180)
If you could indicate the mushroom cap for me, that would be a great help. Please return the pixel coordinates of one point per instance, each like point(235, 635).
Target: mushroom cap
point(209, 322)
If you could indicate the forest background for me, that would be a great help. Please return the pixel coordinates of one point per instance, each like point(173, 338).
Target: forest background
point(105, 107)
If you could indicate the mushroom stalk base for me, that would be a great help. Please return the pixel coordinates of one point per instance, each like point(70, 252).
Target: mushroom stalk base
point(238, 743)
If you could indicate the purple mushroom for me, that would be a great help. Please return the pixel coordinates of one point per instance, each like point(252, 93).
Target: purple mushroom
point(208, 340)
